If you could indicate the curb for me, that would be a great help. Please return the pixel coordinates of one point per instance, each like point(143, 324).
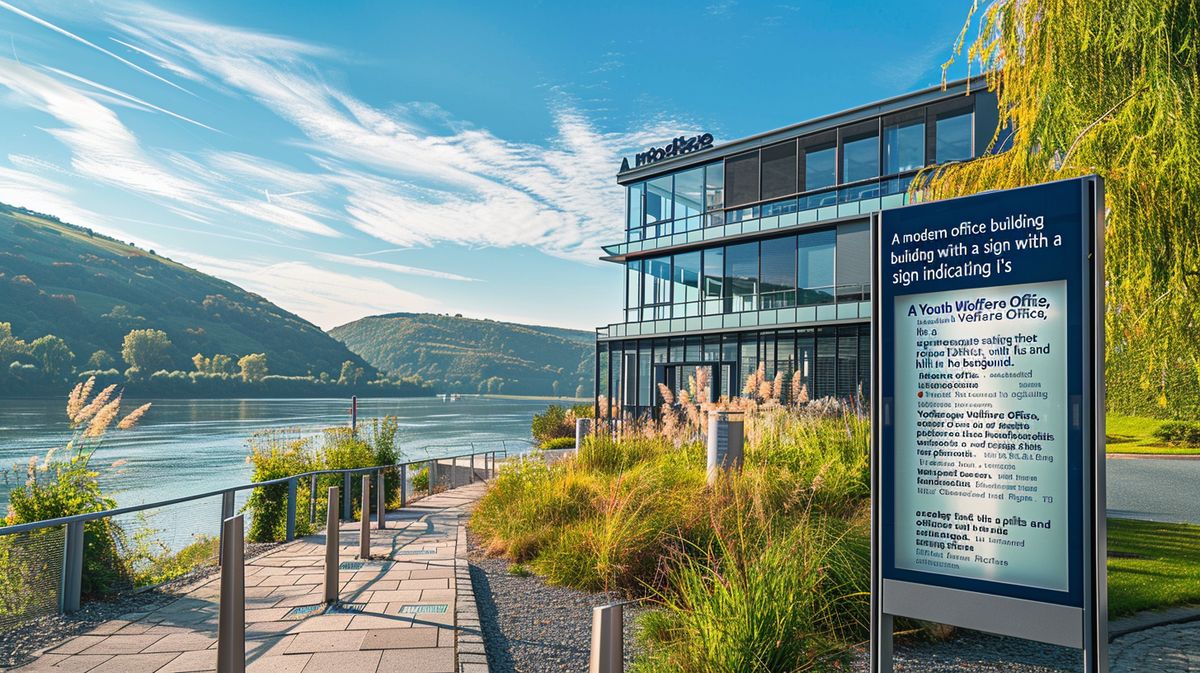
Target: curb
point(468, 635)
point(1153, 456)
point(1152, 619)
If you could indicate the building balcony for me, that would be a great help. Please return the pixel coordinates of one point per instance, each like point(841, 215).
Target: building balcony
point(833, 204)
point(833, 304)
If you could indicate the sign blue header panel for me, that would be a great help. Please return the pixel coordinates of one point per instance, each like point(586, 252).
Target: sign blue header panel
point(982, 345)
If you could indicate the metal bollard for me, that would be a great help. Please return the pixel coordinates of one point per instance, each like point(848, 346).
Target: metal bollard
point(71, 583)
point(231, 611)
point(347, 502)
point(403, 485)
point(380, 501)
point(725, 443)
point(583, 428)
point(331, 547)
point(364, 521)
point(608, 642)
point(290, 528)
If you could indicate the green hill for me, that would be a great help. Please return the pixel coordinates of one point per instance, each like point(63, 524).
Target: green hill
point(475, 356)
point(91, 290)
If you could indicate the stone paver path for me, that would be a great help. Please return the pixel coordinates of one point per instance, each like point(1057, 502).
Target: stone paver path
point(398, 614)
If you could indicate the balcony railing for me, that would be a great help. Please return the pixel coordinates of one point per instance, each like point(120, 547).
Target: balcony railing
point(859, 199)
point(784, 307)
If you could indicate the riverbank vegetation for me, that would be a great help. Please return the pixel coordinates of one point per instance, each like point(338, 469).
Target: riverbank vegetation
point(765, 570)
point(553, 427)
point(149, 367)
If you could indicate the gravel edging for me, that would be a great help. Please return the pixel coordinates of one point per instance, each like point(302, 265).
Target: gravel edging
point(20, 645)
point(532, 627)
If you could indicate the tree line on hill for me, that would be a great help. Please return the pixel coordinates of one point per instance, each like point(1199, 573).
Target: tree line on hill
point(43, 365)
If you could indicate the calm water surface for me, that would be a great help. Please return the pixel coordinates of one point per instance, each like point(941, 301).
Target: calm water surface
point(191, 446)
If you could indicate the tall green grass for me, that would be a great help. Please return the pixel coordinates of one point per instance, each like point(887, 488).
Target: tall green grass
point(764, 571)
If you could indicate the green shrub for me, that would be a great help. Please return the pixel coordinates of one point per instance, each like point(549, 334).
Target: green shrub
point(559, 443)
point(275, 455)
point(420, 480)
point(1179, 433)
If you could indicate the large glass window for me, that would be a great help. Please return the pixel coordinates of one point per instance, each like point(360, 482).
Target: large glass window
point(860, 158)
point(779, 170)
point(714, 186)
point(633, 206)
point(713, 285)
point(741, 179)
point(954, 142)
point(686, 283)
point(689, 193)
point(903, 147)
point(815, 266)
point(820, 167)
point(656, 282)
point(633, 289)
point(779, 272)
point(741, 277)
point(658, 200)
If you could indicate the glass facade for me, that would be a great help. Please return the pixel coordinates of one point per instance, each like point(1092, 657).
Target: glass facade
point(831, 361)
point(773, 273)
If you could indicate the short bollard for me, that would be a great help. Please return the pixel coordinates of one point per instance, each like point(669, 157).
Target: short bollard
point(231, 612)
point(331, 547)
point(583, 428)
point(725, 443)
point(608, 642)
point(380, 502)
point(364, 520)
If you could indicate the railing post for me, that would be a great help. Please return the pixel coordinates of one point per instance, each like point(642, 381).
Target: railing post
point(403, 485)
point(471, 471)
point(290, 532)
point(231, 611)
point(608, 642)
point(71, 583)
point(364, 521)
point(432, 475)
point(380, 500)
point(453, 470)
point(312, 499)
point(331, 547)
point(226, 513)
point(347, 500)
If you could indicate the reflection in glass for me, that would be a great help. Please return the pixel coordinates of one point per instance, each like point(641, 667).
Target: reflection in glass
point(656, 280)
point(712, 288)
point(658, 200)
point(860, 158)
point(689, 193)
point(741, 277)
point(686, 282)
point(633, 206)
point(815, 267)
point(903, 147)
point(714, 181)
point(954, 137)
point(820, 167)
point(633, 290)
point(779, 272)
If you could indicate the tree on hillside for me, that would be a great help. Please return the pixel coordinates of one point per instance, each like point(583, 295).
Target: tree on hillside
point(253, 366)
point(53, 355)
point(101, 360)
point(1109, 87)
point(201, 363)
point(350, 374)
point(147, 350)
point(221, 364)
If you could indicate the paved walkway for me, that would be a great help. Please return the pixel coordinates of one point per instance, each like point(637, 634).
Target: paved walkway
point(411, 610)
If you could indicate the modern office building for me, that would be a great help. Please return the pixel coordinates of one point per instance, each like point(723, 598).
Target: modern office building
point(758, 250)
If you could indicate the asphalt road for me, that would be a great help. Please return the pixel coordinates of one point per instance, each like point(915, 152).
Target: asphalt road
point(1155, 489)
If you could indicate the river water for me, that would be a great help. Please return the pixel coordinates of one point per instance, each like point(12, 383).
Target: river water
point(192, 446)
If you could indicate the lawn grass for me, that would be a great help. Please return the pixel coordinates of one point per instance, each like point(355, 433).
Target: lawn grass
point(1135, 435)
point(1156, 565)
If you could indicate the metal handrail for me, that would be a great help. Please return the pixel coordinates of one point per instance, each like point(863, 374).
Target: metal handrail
point(92, 516)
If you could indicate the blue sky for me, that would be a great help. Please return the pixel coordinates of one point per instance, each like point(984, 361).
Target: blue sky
point(352, 158)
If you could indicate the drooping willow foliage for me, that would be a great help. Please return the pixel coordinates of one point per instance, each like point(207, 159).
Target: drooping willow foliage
point(1109, 87)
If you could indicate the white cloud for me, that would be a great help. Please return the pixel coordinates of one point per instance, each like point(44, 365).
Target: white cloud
point(402, 269)
point(326, 298)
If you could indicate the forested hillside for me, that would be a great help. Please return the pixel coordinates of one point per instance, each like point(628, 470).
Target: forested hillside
point(91, 292)
point(475, 356)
